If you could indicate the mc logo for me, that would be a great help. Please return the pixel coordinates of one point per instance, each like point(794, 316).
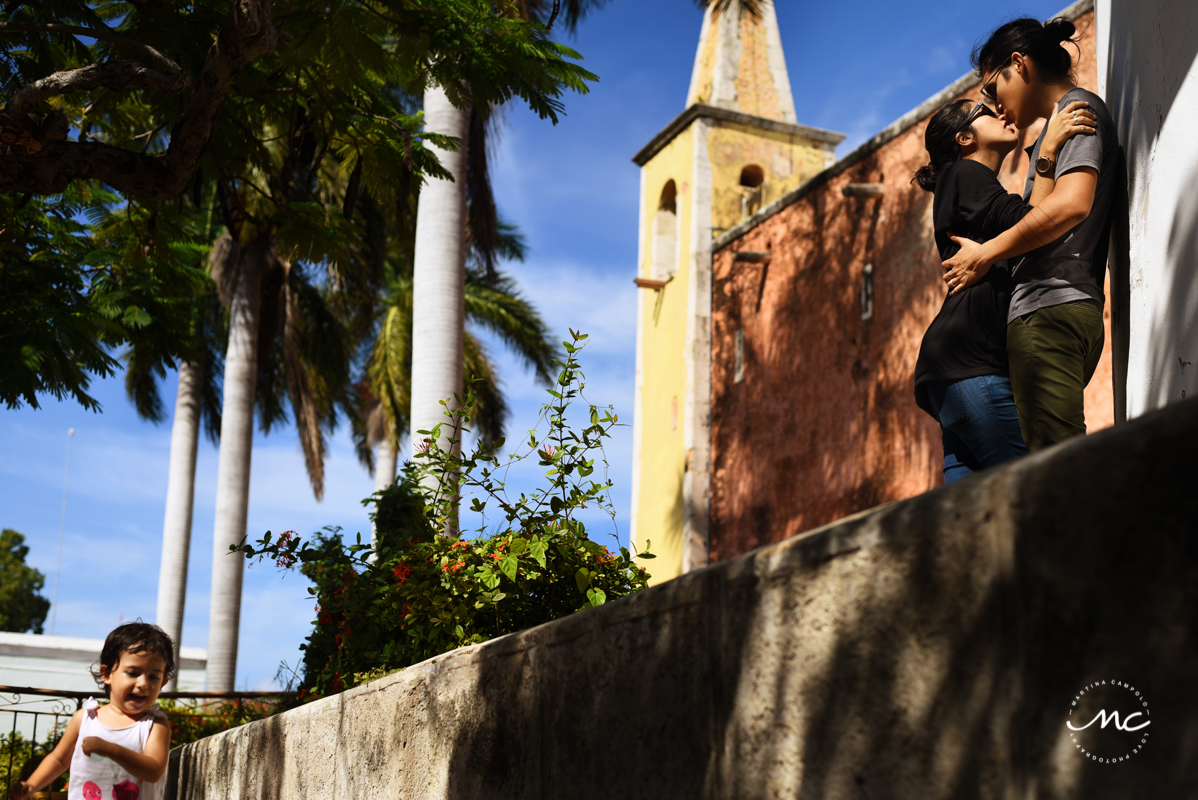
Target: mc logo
point(1111, 745)
point(1123, 726)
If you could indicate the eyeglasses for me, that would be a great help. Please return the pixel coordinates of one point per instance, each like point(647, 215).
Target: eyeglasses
point(987, 90)
point(979, 110)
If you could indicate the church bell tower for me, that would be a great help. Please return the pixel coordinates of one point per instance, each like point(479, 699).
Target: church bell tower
point(735, 149)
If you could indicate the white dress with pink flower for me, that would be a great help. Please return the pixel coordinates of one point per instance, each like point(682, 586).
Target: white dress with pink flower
point(97, 777)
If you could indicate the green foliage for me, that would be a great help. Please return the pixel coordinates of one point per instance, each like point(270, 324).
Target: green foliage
point(19, 757)
point(423, 592)
point(317, 146)
point(21, 607)
point(67, 297)
point(192, 722)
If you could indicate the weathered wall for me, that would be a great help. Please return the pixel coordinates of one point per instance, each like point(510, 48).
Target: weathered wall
point(928, 649)
point(824, 422)
point(658, 449)
point(1149, 77)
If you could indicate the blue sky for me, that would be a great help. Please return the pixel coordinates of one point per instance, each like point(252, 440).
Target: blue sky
point(572, 189)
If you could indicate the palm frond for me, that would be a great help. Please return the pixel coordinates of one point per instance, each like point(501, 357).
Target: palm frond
point(303, 399)
point(491, 411)
point(750, 8)
point(389, 369)
point(482, 222)
point(570, 12)
point(499, 307)
point(142, 375)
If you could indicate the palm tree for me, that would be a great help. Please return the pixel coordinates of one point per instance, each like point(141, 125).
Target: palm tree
point(439, 274)
point(169, 237)
point(490, 303)
point(286, 346)
point(197, 402)
point(325, 127)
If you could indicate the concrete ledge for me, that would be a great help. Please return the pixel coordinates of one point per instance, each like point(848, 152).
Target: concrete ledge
point(926, 649)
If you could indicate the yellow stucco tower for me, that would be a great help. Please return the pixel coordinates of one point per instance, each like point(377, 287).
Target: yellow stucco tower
point(735, 149)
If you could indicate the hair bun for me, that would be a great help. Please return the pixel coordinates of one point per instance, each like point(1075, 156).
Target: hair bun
point(1060, 29)
point(926, 177)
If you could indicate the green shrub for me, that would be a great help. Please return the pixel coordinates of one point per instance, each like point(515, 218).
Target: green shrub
point(190, 723)
point(428, 590)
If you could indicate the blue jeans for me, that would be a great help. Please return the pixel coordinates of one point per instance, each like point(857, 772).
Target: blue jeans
point(978, 423)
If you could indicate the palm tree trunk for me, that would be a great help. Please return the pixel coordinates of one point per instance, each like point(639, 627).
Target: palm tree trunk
point(233, 471)
point(384, 476)
point(180, 496)
point(388, 462)
point(439, 275)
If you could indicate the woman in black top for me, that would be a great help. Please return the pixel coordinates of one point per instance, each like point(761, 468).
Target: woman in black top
point(961, 376)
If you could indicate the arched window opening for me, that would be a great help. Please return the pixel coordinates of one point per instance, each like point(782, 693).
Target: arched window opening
point(752, 190)
point(665, 234)
point(669, 198)
point(752, 176)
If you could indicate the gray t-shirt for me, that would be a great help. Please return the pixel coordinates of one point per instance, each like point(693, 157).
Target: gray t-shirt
point(1074, 266)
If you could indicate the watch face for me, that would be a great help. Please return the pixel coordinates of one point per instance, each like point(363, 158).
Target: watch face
point(1043, 165)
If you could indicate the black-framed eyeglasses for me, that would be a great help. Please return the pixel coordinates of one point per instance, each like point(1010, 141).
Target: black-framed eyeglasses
point(979, 110)
point(987, 90)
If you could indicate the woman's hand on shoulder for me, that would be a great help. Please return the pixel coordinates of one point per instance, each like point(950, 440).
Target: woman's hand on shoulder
point(967, 267)
point(1066, 123)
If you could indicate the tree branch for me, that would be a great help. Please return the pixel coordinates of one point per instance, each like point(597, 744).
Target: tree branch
point(119, 75)
point(91, 33)
point(247, 36)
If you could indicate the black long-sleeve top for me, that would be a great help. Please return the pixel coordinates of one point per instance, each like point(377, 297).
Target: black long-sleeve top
point(968, 338)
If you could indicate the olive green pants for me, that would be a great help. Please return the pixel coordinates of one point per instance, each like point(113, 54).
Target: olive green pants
point(1053, 353)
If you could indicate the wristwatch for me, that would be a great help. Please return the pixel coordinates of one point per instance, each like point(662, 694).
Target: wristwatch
point(1045, 166)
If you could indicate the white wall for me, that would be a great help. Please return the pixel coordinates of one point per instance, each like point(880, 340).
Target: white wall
point(1148, 74)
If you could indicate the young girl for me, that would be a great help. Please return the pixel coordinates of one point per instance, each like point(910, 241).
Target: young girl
point(116, 751)
point(961, 376)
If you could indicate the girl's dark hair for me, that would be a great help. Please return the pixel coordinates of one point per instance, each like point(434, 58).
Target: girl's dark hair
point(136, 637)
point(940, 139)
point(1040, 42)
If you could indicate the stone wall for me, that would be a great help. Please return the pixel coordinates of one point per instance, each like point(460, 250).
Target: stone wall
point(820, 419)
point(1148, 74)
point(927, 649)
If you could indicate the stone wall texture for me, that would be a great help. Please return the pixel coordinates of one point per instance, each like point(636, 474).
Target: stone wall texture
point(823, 422)
point(927, 649)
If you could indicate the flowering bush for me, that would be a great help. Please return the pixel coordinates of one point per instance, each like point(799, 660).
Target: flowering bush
point(426, 590)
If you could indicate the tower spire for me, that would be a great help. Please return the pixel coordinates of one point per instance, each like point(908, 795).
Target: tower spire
point(739, 65)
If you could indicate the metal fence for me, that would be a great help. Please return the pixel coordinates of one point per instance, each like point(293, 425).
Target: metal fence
point(45, 713)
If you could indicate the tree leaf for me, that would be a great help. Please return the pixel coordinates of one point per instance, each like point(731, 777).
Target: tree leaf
point(509, 564)
point(537, 549)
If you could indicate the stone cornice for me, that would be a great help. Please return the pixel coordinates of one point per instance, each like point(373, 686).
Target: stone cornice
point(698, 110)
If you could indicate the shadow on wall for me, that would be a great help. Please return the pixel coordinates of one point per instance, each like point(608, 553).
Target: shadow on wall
point(927, 650)
point(1175, 331)
point(921, 651)
point(1153, 46)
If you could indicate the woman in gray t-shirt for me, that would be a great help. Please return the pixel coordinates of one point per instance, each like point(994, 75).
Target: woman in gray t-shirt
point(1055, 328)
